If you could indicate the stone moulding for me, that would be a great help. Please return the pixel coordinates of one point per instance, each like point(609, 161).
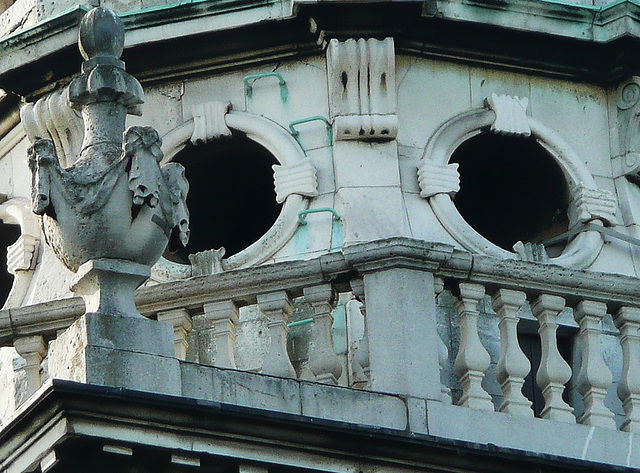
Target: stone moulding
point(243, 285)
point(289, 154)
point(580, 252)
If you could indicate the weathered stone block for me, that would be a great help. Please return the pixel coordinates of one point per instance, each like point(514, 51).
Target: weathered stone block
point(357, 407)
point(240, 388)
point(117, 351)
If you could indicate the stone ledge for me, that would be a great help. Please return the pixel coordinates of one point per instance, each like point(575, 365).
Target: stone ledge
point(411, 416)
point(533, 435)
point(293, 396)
point(243, 286)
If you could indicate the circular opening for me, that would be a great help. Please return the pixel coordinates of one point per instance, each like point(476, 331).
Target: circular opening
point(8, 236)
point(511, 189)
point(231, 199)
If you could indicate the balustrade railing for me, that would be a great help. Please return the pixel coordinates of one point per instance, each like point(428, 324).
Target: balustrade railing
point(397, 282)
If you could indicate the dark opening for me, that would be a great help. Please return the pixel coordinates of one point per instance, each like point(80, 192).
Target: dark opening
point(532, 348)
point(511, 190)
point(231, 200)
point(8, 236)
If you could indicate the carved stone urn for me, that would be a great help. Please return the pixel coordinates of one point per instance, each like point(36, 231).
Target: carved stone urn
point(110, 215)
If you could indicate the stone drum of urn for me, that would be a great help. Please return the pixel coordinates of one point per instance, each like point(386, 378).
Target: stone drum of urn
point(109, 216)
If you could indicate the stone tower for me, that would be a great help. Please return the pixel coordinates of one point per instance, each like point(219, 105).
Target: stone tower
point(362, 235)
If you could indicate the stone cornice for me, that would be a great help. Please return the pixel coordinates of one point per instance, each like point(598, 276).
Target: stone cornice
point(595, 44)
point(339, 268)
point(585, 22)
point(66, 418)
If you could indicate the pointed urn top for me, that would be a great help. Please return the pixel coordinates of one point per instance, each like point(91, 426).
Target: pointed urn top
point(101, 35)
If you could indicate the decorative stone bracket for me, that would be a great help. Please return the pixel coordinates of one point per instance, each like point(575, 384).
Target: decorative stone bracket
point(592, 204)
point(209, 122)
point(298, 178)
point(362, 89)
point(438, 178)
point(511, 114)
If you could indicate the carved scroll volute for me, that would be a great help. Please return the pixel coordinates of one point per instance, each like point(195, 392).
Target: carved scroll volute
point(627, 161)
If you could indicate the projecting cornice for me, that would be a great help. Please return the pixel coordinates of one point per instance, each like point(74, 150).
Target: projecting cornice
point(577, 42)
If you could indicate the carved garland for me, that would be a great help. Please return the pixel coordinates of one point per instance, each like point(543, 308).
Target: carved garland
point(295, 178)
point(439, 180)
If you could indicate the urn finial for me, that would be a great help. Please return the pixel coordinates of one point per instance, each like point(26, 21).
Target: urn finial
point(110, 215)
point(101, 35)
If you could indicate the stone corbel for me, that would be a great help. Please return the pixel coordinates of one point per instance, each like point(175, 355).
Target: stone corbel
point(297, 178)
point(209, 122)
point(362, 89)
point(592, 204)
point(511, 115)
point(437, 178)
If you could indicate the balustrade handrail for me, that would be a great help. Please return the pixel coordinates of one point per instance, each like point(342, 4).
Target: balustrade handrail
point(338, 268)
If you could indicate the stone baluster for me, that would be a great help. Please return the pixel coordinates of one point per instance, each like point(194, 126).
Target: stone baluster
point(324, 363)
point(33, 349)
point(360, 360)
point(277, 308)
point(594, 377)
point(180, 320)
point(216, 335)
point(472, 359)
point(554, 372)
point(627, 319)
point(513, 365)
point(443, 352)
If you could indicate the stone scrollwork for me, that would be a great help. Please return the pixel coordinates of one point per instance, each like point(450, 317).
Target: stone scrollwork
point(627, 161)
point(295, 182)
point(589, 204)
point(507, 115)
point(23, 254)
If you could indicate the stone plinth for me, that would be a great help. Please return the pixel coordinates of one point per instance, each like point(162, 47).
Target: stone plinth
point(107, 350)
